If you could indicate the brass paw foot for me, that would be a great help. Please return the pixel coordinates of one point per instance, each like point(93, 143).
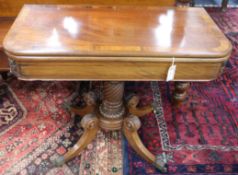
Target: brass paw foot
point(133, 108)
point(131, 125)
point(90, 125)
point(59, 161)
point(90, 104)
point(160, 162)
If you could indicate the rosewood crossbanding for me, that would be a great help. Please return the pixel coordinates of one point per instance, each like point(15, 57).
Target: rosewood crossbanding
point(115, 44)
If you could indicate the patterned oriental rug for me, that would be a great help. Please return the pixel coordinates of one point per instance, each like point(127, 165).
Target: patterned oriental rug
point(201, 137)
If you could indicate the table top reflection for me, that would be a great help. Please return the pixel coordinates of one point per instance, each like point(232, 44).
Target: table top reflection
point(115, 31)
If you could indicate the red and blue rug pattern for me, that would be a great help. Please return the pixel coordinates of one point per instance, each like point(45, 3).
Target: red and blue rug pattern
point(200, 137)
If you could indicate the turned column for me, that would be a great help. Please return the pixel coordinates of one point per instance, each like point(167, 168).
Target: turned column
point(112, 108)
point(180, 92)
point(224, 5)
point(184, 2)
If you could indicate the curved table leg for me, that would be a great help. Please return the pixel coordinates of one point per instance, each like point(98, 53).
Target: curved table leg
point(90, 104)
point(133, 109)
point(91, 126)
point(131, 125)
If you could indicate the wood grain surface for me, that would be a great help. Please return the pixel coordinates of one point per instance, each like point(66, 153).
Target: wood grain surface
point(115, 43)
point(5, 24)
point(12, 7)
point(3, 62)
point(115, 31)
point(117, 71)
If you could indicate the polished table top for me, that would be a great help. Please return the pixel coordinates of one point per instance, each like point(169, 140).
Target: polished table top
point(68, 42)
point(115, 31)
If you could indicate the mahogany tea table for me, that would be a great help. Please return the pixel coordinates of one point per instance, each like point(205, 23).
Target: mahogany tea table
point(115, 44)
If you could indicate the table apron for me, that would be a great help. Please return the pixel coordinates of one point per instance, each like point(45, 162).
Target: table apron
point(116, 70)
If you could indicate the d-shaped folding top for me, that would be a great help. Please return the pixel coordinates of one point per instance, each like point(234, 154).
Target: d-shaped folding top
point(122, 34)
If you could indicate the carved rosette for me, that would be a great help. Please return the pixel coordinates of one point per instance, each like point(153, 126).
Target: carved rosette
point(132, 123)
point(89, 121)
point(112, 105)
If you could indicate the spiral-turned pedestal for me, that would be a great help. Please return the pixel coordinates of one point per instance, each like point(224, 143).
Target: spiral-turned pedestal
point(112, 109)
point(112, 114)
point(112, 105)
